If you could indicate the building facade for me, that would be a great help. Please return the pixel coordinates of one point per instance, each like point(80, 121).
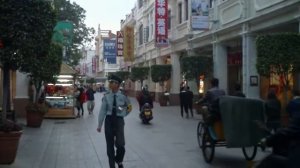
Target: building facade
point(229, 39)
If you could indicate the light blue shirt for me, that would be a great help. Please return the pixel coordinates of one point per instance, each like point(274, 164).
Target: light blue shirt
point(107, 105)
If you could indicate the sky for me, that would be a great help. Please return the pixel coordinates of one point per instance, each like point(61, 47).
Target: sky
point(107, 13)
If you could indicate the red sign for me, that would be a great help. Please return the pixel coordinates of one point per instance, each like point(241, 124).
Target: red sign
point(161, 23)
point(94, 64)
point(120, 41)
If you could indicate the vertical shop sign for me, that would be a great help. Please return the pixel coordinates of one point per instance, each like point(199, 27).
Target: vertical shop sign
point(128, 44)
point(109, 51)
point(199, 16)
point(120, 41)
point(94, 64)
point(161, 23)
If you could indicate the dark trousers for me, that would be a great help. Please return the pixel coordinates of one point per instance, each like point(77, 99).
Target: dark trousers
point(191, 109)
point(114, 135)
point(181, 108)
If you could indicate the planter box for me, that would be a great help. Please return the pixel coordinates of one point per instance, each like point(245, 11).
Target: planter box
point(9, 143)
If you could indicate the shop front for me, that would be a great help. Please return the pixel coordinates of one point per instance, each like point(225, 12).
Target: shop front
point(59, 95)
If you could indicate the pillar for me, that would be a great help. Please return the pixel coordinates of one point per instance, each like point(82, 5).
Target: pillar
point(249, 66)
point(220, 65)
point(175, 75)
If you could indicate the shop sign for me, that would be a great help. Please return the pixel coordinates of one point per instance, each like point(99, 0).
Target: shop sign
point(128, 44)
point(120, 41)
point(109, 51)
point(161, 23)
point(199, 16)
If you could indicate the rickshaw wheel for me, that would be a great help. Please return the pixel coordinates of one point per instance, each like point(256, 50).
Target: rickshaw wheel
point(249, 152)
point(208, 147)
point(200, 131)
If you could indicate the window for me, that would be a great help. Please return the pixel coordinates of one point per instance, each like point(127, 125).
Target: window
point(186, 5)
point(180, 13)
point(169, 19)
point(141, 31)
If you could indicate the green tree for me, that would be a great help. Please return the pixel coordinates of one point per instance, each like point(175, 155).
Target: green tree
point(139, 73)
point(278, 54)
point(160, 73)
point(124, 75)
point(82, 34)
point(26, 29)
point(193, 67)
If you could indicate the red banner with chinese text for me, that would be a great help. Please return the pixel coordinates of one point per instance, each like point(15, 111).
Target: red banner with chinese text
point(161, 23)
point(120, 41)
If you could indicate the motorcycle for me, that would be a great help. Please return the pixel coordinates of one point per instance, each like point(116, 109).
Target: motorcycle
point(146, 114)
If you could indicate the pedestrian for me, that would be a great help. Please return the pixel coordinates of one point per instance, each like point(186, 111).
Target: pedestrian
point(211, 98)
point(181, 98)
point(144, 98)
point(273, 108)
point(115, 106)
point(237, 91)
point(189, 99)
point(77, 100)
point(82, 100)
point(90, 99)
point(293, 107)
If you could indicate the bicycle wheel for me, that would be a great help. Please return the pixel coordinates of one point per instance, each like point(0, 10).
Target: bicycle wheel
point(208, 146)
point(200, 131)
point(249, 152)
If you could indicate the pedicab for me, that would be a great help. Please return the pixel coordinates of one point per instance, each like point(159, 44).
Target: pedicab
point(236, 129)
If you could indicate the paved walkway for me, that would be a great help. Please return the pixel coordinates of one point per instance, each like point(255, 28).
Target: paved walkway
point(168, 142)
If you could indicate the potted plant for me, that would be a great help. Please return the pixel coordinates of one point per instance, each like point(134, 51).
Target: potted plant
point(160, 74)
point(10, 134)
point(139, 74)
point(39, 76)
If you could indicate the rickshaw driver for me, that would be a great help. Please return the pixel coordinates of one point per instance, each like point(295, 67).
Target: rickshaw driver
point(211, 98)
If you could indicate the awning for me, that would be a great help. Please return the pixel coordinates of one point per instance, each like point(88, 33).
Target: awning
point(66, 70)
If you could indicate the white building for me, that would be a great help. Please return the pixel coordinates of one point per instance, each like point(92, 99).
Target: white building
point(232, 28)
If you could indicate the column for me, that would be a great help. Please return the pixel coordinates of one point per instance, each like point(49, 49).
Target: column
point(249, 68)
point(175, 75)
point(220, 65)
point(298, 75)
point(159, 61)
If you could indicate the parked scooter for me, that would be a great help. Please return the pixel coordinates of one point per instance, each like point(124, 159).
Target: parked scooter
point(146, 113)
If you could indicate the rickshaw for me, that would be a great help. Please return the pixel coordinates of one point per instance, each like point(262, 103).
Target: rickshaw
point(237, 128)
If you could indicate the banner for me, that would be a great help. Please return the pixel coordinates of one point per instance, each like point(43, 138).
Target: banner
point(109, 51)
point(128, 50)
point(161, 23)
point(63, 33)
point(120, 41)
point(199, 16)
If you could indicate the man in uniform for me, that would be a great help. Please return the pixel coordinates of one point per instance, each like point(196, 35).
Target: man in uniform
point(115, 106)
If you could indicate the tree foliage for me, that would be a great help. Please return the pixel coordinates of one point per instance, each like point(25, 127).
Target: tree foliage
point(192, 67)
point(161, 73)
point(83, 35)
point(278, 54)
point(139, 73)
point(124, 75)
point(26, 29)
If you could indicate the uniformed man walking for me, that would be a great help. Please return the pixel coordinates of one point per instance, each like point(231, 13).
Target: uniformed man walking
point(115, 106)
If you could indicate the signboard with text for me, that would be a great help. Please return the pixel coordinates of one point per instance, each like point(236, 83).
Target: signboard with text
point(109, 51)
point(161, 23)
point(199, 16)
point(120, 41)
point(128, 50)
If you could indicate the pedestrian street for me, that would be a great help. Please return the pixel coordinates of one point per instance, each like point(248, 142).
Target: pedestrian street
point(168, 142)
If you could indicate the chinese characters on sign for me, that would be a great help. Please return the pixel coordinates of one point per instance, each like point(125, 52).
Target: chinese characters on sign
point(161, 20)
point(120, 40)
point(109, 51)
point(128, 50)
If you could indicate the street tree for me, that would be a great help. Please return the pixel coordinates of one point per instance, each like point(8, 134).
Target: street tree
point(139, 74)
point(192, 67)
point(26, 29)
point(82, 35)
point(278, 54)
